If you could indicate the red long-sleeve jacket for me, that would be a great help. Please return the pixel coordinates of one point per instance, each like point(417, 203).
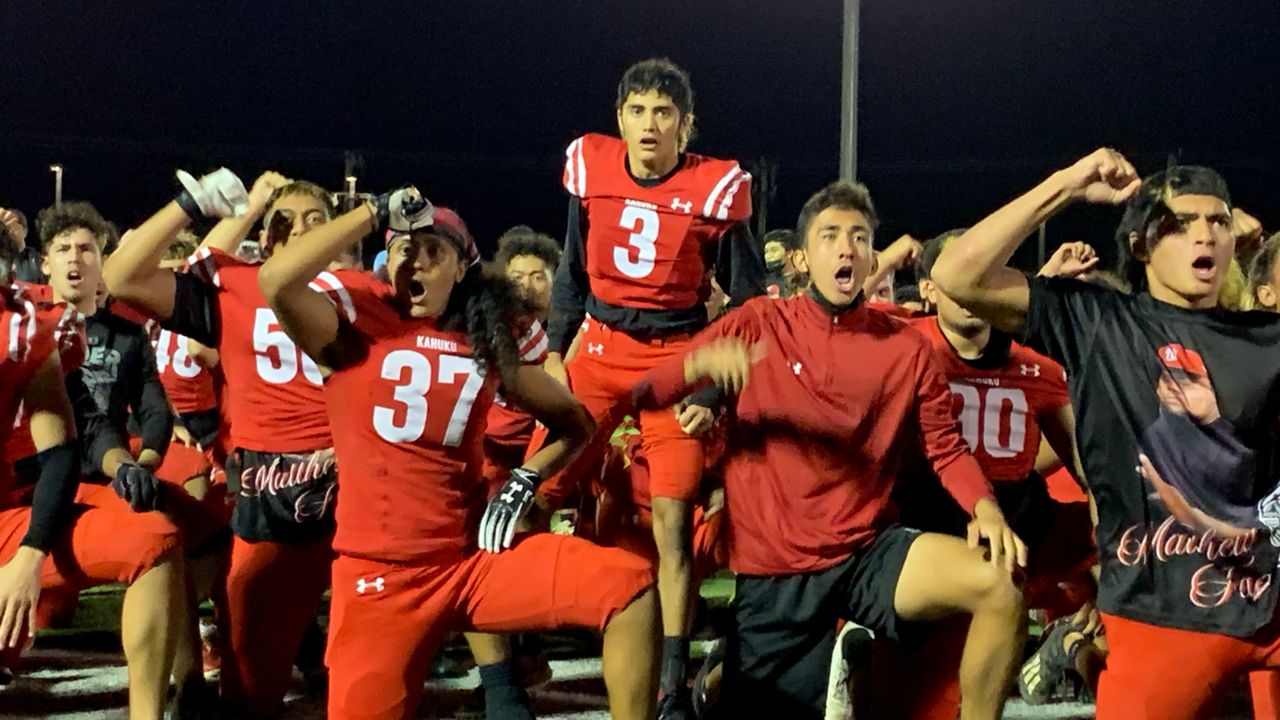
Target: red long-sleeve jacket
point(821, 429)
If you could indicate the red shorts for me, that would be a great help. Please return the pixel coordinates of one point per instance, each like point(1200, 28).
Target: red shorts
point(608, 365)
point(1170, 674)
point(200, 520)
point(107, 542)
point(387, 619)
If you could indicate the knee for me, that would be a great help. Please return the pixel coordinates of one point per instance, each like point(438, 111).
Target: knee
point(996, 591)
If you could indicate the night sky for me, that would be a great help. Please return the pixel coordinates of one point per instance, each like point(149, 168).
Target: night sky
point(963, 104)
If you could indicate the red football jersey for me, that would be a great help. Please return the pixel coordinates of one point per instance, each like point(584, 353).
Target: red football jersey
point(188, 384)
point(1000, 409)
point(69, 334)
point(26, 341)
point(645, 245)
point(508, 424)
point(278, 395)
point(409, 421)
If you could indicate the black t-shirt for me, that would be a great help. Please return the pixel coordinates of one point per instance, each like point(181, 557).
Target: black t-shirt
point(1178, 413)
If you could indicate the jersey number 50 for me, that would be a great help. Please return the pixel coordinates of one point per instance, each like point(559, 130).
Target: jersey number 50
point(411, 393)
point(636, 259)
point(982, 417)
point(283, 368)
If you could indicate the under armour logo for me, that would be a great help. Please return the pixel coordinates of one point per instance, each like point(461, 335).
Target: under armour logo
point(512, 495)
point(1031, 370)
point(595, 348)
point(378, 584)
point(682, 206)
point(796, 367)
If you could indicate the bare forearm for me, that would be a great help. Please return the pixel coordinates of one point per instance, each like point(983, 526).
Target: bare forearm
point(114, 458)
point(133, 271)
point(971, 259)
point(227, 234)
point(294, 265)
point(556, 455)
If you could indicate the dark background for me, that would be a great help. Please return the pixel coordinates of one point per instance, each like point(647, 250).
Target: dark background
point(963, 104)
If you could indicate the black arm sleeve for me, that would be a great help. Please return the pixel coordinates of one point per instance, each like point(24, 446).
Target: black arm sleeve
point(98, 435)
point(739, 264)
point(195, 310)
point(151, 406)
point(571, 286)
point(54, 494)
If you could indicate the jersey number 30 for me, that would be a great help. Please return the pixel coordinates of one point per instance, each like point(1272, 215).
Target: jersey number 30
point(636, 259)
point(982, 418)
point(411, 394)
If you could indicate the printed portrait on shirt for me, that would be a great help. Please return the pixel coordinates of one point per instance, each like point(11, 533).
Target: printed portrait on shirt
point(1193, 459)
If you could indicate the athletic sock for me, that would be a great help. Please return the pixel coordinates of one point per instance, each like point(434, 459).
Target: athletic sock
point(504, 698)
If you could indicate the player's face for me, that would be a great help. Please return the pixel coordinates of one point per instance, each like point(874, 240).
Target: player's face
point(533, 277)
point(289, 217)
point(651, 125)
point(423, 269)
point(950, 315)
point(883, 293)
point(73, 263)
point(1190, 260)
point(774, 252)
point(837, 250)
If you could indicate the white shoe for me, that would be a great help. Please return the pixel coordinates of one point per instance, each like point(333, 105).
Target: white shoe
point(839, 704)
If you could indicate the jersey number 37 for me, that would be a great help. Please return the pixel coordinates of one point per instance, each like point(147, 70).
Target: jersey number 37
point(414, 376)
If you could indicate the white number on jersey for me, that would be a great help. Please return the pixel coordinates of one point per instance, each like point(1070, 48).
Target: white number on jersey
point(643, 224)
point(279, 367)
point(184, 365)
point(411, 393)
point(982, 416)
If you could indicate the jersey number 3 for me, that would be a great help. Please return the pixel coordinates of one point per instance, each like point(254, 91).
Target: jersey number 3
point(411, 394)
point(636, 259)
point(982, 418)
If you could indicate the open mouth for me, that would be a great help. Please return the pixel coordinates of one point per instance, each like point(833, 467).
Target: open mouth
point(417, 291)
point(649, 143)
point(1204, 267)
point(74, 277)
point(844, 279)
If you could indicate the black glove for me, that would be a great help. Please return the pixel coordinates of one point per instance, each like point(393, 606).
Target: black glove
point(404, 210)
point(498, 526)
point(138, 487)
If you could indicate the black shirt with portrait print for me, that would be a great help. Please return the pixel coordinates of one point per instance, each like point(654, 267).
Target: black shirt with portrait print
point(1178, 417)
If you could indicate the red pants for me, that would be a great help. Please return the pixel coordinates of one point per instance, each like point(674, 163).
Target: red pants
point(106, 543)
point(199, 520)
point(602, 375)
point(388, 619)
point(272, 592)
point(1169, 674)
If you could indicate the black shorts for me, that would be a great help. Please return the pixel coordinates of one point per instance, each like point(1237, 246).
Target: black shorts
point(282, 497)
point(778, 657)
point(203, 426)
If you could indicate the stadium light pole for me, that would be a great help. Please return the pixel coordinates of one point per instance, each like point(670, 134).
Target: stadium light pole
point(56, 169)
point(849, 94)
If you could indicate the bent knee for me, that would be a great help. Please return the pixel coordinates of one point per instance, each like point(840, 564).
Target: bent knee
point(995, 589)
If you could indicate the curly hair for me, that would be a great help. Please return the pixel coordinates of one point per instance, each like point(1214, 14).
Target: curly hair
point(524, 240)
point(492, 311)
point(54, 221)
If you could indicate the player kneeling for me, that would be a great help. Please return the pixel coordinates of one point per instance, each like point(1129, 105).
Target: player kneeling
point(840, 393)
point(415, 365)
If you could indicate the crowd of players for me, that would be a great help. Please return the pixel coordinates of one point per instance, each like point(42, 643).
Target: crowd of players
point(888, 470)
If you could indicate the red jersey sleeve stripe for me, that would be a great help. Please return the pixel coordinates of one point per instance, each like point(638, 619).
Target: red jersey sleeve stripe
point(709, 210)
point(533, 346)
point(329, 284)
point(575, 171)
point(723, 212)
point(205, 267)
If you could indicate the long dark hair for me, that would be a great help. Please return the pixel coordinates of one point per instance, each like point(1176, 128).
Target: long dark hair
point(493, 313)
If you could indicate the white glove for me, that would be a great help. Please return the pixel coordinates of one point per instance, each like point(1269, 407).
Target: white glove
point(220, 194)
point(405, 210)
point(498, 526)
